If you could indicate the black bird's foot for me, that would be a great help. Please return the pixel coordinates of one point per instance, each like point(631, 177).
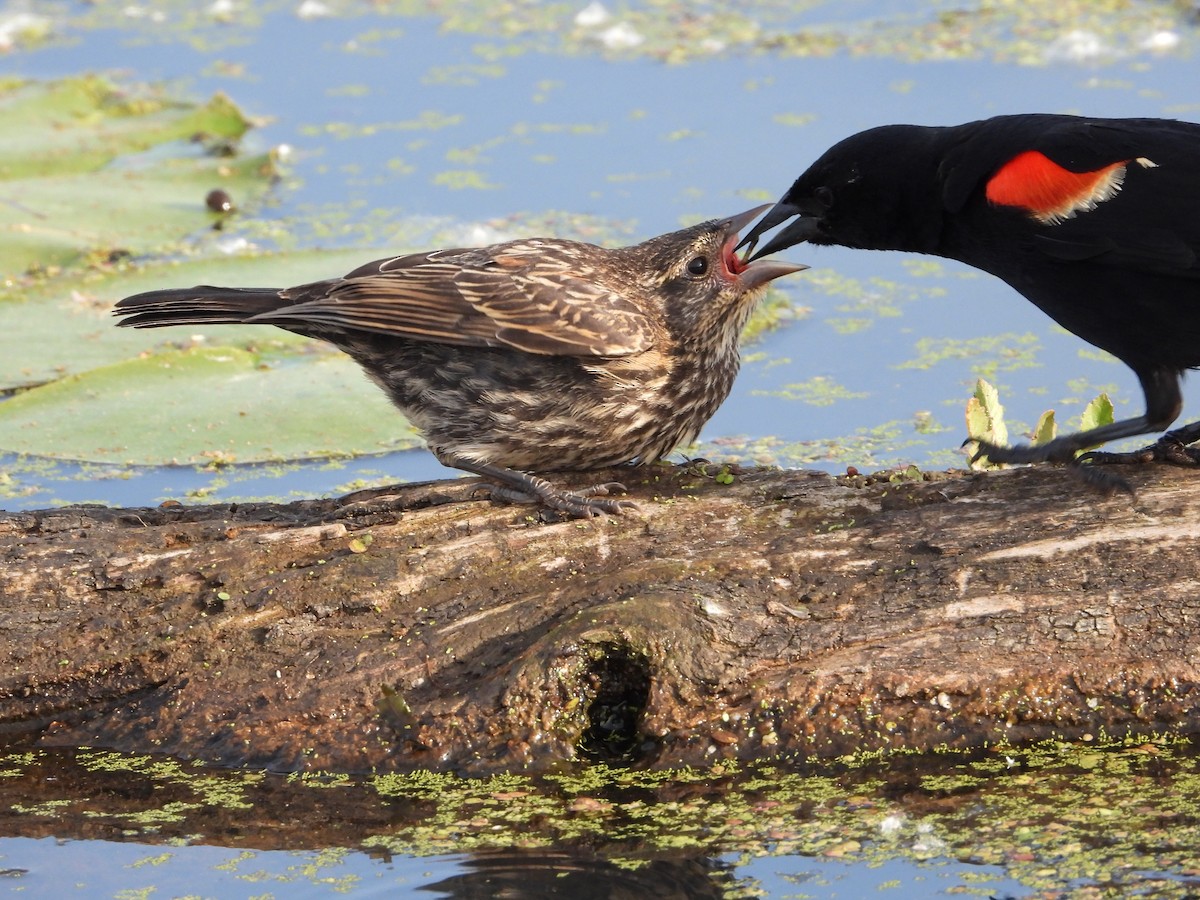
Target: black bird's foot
point(1105, 482)
point(1017, 454)
point(1167, 448)
point(584, 503)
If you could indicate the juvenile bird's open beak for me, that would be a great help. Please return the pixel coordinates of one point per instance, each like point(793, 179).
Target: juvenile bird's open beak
point(796, 232)
point(734, 224)
point(764, 270)
point(753, 274)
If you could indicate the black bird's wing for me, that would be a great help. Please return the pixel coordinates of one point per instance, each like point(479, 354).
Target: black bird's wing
point(528, 295)
point(979, 151)
point(1120, 193)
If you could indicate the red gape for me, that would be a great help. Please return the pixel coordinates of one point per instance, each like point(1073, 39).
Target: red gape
point(733, 263)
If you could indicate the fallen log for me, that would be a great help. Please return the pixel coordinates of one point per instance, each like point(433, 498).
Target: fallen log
point(785, 614)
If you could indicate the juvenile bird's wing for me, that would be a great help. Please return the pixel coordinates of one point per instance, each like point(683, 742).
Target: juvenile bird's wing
point(529, 295)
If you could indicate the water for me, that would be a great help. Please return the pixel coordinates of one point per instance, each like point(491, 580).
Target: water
point(113, 869)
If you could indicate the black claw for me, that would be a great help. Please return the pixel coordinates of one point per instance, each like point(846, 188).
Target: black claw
point(1105, 482)
point(1166, 449)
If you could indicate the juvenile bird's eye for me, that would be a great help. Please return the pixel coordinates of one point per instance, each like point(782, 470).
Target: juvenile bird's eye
point(698, 265)
point(824, 196)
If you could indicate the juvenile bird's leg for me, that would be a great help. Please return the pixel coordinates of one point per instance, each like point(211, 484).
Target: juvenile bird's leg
point(521, 487)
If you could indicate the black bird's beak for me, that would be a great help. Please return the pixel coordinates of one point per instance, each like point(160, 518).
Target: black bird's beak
point(802, 229)
point(759, 273)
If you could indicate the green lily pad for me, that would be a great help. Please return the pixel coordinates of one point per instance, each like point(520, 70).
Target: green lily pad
point(212, 404)
point(83, 124)
point(86, 170)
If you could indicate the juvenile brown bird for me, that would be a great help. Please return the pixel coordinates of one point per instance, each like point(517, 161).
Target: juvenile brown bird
point(535, 355)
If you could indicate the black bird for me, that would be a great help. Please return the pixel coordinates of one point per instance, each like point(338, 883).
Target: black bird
point(1095, 221)
point(534, 355)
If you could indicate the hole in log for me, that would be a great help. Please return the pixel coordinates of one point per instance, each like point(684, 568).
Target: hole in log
point(618, 680)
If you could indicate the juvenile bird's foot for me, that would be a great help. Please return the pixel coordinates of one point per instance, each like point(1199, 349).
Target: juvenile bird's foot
point(520, 487)
point(584, 503)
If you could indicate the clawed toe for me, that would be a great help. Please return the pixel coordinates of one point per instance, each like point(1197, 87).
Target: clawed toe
point(584, 503)
point(1165, 449)
point(590, 501)
point(602, 490)
point(514, 486)
point(1107, 483)
point(1018, 454)
point(1108, 458)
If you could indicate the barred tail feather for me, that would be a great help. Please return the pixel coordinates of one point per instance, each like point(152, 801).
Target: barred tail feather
point(201, 305)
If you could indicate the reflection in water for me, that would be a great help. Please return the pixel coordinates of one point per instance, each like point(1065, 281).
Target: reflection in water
point(999, 825)
point(542, 873)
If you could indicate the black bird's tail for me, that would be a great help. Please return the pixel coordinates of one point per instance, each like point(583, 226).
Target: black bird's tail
point(202, 305)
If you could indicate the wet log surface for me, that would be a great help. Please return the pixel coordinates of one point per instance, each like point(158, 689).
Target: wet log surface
point(786, 614)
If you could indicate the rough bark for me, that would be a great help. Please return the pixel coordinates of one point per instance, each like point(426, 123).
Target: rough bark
point(786, 614)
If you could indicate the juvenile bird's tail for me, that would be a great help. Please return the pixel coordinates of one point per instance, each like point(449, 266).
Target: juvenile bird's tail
point(201, 305)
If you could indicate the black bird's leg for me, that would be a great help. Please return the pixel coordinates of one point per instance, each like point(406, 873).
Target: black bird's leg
point(521, 487)
point(1163, 404)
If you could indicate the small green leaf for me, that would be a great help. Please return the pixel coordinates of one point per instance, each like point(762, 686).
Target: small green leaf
point(978, 425)
point(1046, 428)
point(1097, 414)
point(985, 420)
point(989, 397)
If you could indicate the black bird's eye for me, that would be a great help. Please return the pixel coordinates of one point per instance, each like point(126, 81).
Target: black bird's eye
point(698, 266)
point(824, 196)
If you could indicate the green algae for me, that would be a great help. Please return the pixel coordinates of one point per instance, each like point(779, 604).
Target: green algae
point(1105, 815)
point(777, 309)
point(994, 353)
point(816, 391)
point(891, 443)
point(1028, 33)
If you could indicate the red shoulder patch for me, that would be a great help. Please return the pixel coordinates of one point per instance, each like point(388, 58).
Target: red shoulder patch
point(1034, 182)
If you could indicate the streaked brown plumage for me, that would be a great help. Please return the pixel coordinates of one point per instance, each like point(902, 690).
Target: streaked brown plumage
point(534, 355)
